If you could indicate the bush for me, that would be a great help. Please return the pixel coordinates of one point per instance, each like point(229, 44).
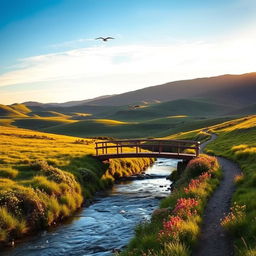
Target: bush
point(200, 165)
point(8, 173)
point(88, 176)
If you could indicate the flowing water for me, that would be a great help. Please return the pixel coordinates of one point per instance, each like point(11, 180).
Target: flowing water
point(106, 225)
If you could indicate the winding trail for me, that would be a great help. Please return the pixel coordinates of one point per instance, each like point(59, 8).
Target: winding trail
point(213, 240)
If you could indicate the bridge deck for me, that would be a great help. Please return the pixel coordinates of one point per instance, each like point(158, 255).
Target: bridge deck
point(175, 149)
point(148, 154)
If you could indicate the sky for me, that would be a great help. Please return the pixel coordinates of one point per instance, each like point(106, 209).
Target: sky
point(48, 51)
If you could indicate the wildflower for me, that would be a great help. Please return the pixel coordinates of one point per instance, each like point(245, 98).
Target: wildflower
point(195, 183)
point(171, 227)
point(185, 207)
point(236, 214)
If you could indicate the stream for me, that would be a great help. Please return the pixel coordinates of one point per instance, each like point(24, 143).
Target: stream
point(108, 224)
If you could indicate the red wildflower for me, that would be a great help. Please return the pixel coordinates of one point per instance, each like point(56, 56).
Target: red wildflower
point(171, 227)
point(185, 207)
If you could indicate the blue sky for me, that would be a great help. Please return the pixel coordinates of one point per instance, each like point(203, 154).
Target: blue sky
point(46, 43)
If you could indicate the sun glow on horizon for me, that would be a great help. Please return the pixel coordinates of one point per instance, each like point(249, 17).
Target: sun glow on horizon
point(102, 70)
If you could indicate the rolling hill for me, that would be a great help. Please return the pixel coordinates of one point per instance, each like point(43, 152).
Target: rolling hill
point(7, 111)
point(48, 114)
point(248, 110)
point(172, 108)
point(22, 108)
point(153, 128)
point(86, 109)
point(39, 123)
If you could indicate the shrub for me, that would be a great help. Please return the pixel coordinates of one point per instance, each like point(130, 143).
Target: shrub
point(239, 179)
point(45, 185)
point(175, 249)
point(24, 202)
point(201, 164)
point(88, 176)
point(8, 173)
point(160, 214)
point(11, 224)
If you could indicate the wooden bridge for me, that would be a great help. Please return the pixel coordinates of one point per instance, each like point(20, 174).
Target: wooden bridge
point(175, 149)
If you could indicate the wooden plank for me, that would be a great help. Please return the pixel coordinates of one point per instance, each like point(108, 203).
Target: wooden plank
point(152, 155)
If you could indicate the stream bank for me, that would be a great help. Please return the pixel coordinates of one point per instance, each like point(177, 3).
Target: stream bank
point(108, 224)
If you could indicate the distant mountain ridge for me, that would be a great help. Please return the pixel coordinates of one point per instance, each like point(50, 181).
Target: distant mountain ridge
point(234, 90)
point(65, 104)
point(225, 89)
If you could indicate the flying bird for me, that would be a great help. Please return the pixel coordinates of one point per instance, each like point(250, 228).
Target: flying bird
point(105, 39)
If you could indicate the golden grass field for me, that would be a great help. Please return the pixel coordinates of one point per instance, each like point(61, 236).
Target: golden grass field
point(45, 177)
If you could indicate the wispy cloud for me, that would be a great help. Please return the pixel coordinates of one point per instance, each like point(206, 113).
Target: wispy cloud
point(114, 69)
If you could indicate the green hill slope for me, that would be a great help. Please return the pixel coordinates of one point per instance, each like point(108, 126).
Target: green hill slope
point(39, 123)
point(237, 141)
point(172, 108)
point(249, 110)
point(111, 128)
point(48, 114)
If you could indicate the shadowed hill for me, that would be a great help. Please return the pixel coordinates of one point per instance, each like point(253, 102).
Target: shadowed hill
point(112, 128)
point(171, 108)
point(7, 111)
point(48, 114)
point(39, 123)
point(251, 109)
point(87, 109)
point(227, 89)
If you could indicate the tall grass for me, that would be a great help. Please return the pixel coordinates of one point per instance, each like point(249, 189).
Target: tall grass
point(237, 141)
point(45, 178)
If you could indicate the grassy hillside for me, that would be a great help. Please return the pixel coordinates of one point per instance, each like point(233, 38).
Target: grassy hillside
point(40, 123)
point(45, 177)
point(87, 109)
point(237, 141)
point(7, 111)
point(170, 108)
point(21, 108)
point(48, 114)
point(153, 128)
point(249, 110)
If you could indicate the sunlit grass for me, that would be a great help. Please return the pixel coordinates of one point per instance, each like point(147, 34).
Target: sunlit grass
point(45, 178)
point(179, 116)
point(109, 122)
point(237, 141)
point(8, 172)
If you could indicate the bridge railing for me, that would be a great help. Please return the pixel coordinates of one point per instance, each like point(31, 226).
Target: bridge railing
point(119, 147)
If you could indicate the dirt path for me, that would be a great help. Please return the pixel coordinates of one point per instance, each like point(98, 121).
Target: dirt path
point(213, 240)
